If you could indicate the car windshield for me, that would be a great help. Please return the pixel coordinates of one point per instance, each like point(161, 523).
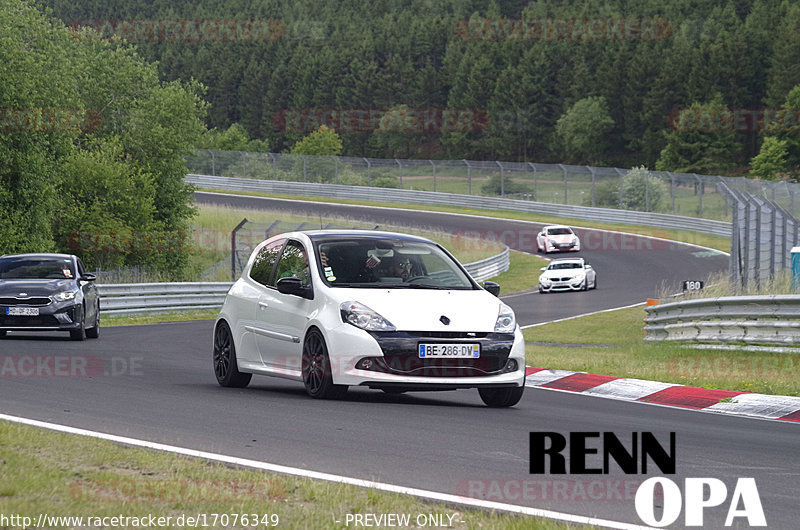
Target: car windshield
point(559, 231)
point(561, 266)
point(28, 268)
point(388, 263)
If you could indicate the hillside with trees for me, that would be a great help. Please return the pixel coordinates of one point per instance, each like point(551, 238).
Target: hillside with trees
point(387, 55)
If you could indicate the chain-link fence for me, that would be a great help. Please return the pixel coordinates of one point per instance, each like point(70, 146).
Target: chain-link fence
point(638, 189)
point(762, 213)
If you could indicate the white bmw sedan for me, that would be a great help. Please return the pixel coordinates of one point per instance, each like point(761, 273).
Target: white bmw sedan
point(569, 274)
point(557, 238)
point(382, 310)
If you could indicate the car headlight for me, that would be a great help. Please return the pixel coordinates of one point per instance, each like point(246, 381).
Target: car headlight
point(363, 317)
point(506, 323)
point(63, 296)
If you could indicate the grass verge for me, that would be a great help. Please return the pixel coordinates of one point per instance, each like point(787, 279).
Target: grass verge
point(70, 475)
point(704, 240)
point(156, 318)
point(612, 344)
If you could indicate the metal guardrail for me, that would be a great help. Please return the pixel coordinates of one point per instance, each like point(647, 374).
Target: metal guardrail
point(489, 267)
point(134, 298)
point(606, 215)
point(752, 320)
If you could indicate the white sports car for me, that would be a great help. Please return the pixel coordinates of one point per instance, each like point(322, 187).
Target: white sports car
point(557, 238)
point(568, 274)
point(382, 310)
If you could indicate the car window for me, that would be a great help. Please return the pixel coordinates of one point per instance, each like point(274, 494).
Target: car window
point(30, 268)
point(392, 263)
point(265, 262)
point(559, 231)
point(292, 264)
point(81, 268)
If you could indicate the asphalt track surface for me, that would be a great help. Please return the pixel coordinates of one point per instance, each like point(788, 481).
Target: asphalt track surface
point(156, 383)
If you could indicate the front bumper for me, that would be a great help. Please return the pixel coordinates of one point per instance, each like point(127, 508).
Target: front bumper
point(562, 286)
point(394, 360)
point(56, 316)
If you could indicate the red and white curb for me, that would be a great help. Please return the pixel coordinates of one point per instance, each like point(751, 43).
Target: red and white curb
point(736, 403)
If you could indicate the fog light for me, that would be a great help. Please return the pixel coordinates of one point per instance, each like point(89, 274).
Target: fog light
point(364, 364)
point(511, 366)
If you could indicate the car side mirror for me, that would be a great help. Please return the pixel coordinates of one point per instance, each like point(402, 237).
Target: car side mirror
point(543, 269)
point(88, 277)
point(295, 287)
point(492, 287)
point(588, 266)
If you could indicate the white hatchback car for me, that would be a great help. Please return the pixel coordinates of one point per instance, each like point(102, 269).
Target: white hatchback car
point(382, 310)
point(557, 238)
point(568, 274)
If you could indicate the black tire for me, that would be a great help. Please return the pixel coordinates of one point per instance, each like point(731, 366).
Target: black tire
point(225, 368)
point(585, 286)
point(594, 283)
point(316, 368)
point(541, 291)
point(80, 333)
point(94, 331)
point(501, 397)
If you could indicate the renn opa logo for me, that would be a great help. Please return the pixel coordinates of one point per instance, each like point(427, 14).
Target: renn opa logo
point(593, 453)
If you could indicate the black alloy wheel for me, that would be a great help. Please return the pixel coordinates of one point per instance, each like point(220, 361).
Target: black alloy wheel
point(225, 367)
point(316, 368)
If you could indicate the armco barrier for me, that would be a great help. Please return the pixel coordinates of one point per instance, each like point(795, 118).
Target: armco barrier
point(752, 320)
point(607, 215)
point(133, 298)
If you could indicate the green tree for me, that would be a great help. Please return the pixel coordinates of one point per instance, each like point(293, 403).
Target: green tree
point(770, 162)
point(701, 141)
point(582, 130)
point(234, 138)
point(323, 141)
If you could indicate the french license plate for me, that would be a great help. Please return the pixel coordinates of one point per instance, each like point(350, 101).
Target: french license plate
point(22, 311)
point(440, 351)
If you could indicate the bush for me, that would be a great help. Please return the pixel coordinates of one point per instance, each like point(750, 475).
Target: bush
point(636, 186)
point(507, 187)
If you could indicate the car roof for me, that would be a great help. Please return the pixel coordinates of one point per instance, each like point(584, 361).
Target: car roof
point(39, 255)
point(322, 235)
point(568, 260)
point(557, 226)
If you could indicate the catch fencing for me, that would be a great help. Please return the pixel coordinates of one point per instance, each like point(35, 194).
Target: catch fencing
point(751, 320)
point(759, 216)
point(686, 194)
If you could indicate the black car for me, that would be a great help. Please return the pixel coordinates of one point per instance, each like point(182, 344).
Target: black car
point(48, 292)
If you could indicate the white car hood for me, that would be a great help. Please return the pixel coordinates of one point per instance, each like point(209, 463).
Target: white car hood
point(421, 309)
point(561, 239)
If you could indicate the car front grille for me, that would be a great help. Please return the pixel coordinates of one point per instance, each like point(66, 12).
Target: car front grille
point(11, 301)
point(46, 321)
point(447, 334)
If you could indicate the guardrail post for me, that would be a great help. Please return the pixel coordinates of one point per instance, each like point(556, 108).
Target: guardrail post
point(434, 174)
point(621, 177)
point(565, 181)
point(591, 170)
point(305, 176)
point(469, 178)
point(244, 163)
point(336, 170)
point(534, 179)
point(274, 166)
point(401, 172)
point(369, 166)
point(233, 248)
point(701, 187)
point(502, 180)
point(213, 163)
point(672, 189)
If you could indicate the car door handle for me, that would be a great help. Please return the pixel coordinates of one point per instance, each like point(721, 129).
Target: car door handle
point(263, 305)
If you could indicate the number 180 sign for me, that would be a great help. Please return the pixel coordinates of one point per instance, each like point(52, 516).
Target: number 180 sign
point(692, 285)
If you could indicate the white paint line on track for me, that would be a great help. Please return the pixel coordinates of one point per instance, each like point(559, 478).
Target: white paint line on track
point(275, 468)
point(583, 315)
point(627, 389)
